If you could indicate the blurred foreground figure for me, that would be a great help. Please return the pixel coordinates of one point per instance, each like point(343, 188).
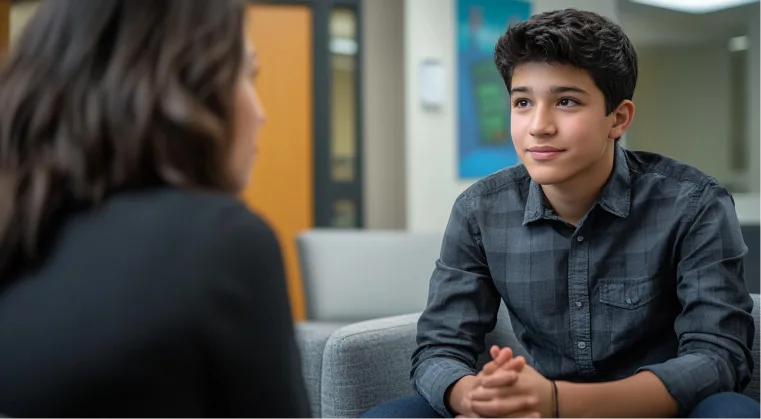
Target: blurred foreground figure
point(132, 281)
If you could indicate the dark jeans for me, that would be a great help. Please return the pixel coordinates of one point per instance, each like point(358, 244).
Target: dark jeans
point(727, 405)
point(406, 407)
point(722, 405)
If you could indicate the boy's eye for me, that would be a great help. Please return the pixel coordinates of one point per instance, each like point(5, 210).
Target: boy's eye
point(567, 102)
point(521, 103)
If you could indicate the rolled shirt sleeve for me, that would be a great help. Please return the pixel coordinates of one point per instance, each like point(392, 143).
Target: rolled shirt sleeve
point(715, 327)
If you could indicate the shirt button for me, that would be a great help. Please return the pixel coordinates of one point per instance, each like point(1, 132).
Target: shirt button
point(580, 239)
point(582, 345)
point(628, 301)
point(578, 304)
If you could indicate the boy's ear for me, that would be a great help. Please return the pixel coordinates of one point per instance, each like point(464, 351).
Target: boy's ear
point(622, 117)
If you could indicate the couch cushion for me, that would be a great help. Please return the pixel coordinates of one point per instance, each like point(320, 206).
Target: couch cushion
point(311, 338)
point(753, 388)
point(367, 363)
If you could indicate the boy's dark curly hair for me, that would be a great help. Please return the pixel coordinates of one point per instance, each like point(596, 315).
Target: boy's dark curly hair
point(582, 39)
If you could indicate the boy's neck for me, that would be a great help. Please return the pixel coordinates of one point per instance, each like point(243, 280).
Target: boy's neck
point(572, 199)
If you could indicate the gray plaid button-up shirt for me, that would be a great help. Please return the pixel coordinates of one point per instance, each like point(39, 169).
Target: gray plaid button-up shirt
point(651, 279)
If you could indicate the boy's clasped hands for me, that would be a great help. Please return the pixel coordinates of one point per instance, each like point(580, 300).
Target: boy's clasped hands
point(508, 388)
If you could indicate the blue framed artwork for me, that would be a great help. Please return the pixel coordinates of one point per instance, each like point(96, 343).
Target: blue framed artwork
point(484, 144)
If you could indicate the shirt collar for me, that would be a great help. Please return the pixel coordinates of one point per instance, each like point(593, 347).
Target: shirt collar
point(614, 198)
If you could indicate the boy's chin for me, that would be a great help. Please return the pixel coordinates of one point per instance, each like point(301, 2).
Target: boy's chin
point(548, 176)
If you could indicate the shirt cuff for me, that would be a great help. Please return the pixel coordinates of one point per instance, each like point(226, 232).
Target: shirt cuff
point(690, 378)
point(438, 374)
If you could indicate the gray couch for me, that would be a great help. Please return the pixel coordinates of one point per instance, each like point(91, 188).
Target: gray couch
point(355, 275)
point(752, 237)
point(367, 363)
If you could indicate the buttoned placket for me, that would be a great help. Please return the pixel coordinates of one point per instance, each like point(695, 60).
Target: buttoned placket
point(578, 297)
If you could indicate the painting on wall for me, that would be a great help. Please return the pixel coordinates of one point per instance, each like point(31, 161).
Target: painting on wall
point(484, 106)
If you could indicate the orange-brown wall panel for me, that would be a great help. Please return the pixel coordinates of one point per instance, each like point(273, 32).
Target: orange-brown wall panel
point(281, 189)
point(5, 24)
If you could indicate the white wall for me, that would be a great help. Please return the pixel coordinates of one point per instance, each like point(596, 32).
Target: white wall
point(608, 8)
point(683, 111)
point(383, 113)
point(682, 99)
point(430, 148)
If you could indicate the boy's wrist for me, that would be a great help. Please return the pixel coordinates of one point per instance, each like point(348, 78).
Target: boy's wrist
point(455, 394)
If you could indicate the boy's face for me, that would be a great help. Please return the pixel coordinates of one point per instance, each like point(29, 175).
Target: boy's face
point(558, 122)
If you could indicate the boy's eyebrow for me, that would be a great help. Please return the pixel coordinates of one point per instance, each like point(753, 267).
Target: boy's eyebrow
point(553, 90)
point(520, 89)
point(568, 89)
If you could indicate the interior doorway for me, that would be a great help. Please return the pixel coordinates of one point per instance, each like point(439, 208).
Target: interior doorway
point(310, 171)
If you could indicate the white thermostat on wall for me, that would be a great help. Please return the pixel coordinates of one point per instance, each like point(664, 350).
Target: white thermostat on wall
point(432, 84)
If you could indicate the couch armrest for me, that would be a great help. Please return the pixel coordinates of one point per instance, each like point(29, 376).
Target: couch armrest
point(367, 363)
point(311, 338)
point(753, 388)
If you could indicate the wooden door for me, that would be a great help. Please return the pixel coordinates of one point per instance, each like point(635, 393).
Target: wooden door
point(281, 189)
point(5, 25)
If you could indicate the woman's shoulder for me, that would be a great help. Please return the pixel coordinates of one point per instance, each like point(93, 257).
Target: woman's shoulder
point(205, 228)
point(204, 211)
point(234, 257)
point(223, 225)
point(210, 238)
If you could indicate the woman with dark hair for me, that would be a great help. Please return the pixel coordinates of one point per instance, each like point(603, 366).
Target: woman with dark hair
point(132, 280)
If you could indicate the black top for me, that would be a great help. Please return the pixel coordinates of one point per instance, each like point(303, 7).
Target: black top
point(160, 303)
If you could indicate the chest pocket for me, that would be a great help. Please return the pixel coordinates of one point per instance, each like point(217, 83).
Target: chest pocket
point(630, 310)
point(629, 294)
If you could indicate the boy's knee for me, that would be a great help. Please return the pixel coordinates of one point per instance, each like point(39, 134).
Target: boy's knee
point(727, 405)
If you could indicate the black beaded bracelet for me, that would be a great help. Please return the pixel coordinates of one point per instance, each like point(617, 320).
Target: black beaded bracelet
point(555, 397)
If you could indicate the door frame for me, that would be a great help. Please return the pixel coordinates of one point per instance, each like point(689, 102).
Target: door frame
point(325, 189)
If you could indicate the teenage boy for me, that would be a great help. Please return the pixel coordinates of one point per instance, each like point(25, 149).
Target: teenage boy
point(622, 271)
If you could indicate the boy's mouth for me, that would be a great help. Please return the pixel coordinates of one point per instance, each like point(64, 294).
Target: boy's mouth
point(544, 152)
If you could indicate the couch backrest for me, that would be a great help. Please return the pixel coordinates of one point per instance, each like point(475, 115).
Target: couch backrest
point(356, 275)
point(753, 388)
point(751, 235)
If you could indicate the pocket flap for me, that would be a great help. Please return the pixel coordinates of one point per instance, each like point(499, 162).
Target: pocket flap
point(628, 293)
